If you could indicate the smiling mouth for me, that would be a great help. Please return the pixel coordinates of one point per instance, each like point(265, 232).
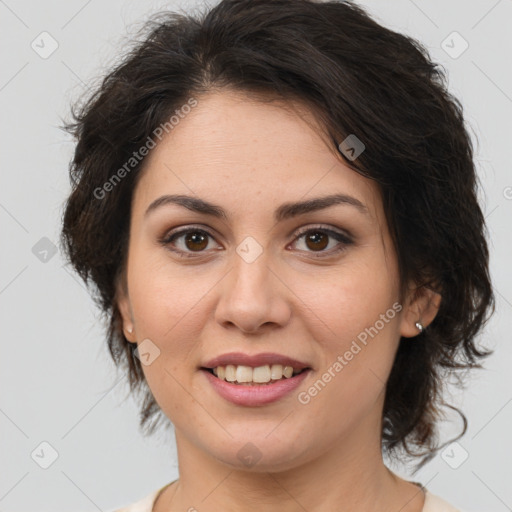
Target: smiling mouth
point(254, 376)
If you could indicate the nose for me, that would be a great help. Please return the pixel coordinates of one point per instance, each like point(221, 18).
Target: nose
point(253, 297)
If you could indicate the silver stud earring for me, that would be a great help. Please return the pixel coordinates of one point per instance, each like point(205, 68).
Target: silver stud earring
point(130, 329)
point(419, 326)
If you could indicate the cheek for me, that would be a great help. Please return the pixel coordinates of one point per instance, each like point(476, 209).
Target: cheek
point(168, 312)
point(167, 306)
point(354, 316)
point(166, 299)
point(338, 310)
point(351, 298)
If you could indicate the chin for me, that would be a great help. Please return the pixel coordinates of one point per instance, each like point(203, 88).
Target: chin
point(260, 454)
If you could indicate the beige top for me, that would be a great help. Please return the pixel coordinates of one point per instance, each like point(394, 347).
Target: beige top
point(433, 503)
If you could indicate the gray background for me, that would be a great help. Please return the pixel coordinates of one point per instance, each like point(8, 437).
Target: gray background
point(57, 382)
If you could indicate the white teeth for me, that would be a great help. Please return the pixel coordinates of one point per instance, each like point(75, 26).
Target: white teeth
point(230, 373)
point(287, 371)
point(259, 375)
point(276, 371)
point(243, 374)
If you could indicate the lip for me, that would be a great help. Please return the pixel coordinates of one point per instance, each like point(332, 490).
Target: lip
point(257, 395)
point(239, 358)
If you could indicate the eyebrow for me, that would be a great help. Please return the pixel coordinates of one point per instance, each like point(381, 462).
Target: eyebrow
point(285, 211)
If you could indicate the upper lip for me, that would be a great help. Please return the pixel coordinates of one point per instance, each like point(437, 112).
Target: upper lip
point(239, 358)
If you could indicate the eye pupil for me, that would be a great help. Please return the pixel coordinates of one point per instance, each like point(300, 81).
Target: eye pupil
point(318, 238)
point(196, 238)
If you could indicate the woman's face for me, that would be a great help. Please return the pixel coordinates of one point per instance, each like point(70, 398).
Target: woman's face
point(319, 286)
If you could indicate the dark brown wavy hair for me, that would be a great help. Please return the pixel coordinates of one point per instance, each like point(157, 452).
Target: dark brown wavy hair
point(356, 77)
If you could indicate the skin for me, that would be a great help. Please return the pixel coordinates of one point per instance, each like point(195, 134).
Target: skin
point(249, 157)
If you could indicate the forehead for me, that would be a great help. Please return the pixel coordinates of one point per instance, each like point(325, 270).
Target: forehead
point(233, 123)
point(240, 148)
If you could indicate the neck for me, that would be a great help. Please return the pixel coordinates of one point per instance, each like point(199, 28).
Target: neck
point(352, 477)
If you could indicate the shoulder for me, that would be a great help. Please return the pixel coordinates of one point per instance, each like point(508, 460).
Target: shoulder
point(434, 503)
point(143, 505)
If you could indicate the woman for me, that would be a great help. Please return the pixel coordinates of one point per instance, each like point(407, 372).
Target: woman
point(277, 205)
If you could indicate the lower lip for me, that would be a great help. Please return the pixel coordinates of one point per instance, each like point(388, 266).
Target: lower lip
point(258, 394)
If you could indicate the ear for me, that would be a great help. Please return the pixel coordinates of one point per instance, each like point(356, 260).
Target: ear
point(125, 309)
point(421, 305)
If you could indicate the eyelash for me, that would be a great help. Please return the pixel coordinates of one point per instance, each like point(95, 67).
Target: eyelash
point(345, 240)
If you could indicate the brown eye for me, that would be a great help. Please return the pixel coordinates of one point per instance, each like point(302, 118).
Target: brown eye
point(317, 240)
point(187, 241)
point(196, 240)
